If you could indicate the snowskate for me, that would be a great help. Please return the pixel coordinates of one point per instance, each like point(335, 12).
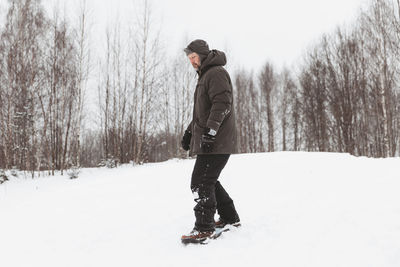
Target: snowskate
point(220, 224)
point(198, 237)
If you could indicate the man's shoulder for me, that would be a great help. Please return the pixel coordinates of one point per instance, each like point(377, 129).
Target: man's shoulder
point(216, 71)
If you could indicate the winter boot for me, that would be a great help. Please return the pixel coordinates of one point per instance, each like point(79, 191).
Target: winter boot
point(197, 237)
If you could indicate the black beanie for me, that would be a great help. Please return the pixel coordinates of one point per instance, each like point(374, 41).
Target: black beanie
point(198, 46)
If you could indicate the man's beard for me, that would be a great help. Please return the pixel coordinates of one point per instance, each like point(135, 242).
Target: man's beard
point(195, 66)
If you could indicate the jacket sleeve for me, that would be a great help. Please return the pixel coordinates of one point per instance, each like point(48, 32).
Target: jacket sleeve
point(220, 95)
point(189, 128)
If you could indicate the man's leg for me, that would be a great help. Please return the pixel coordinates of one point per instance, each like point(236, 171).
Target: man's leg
point(204, 178)
point(226, 208)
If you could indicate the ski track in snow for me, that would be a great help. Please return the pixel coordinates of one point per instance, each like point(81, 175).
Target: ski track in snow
point(297, 209)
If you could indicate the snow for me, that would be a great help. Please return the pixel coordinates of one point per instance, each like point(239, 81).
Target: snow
point(297, 209)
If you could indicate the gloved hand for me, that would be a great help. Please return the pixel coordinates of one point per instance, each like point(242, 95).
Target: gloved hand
point(207, 141)
point(186, 140)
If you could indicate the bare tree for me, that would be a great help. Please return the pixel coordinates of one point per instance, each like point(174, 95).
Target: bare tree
point(288, 109)
point(147, 50)
point(177, 90)
point(82, 40)
point(314, 103)
point(249, 115)
point(267, 81)
point(382, 45)
point(21, 48)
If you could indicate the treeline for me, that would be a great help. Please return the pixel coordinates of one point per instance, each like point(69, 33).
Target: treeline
point(41, 83)
point(343, 96)
point(46, 68)
point(144, 96)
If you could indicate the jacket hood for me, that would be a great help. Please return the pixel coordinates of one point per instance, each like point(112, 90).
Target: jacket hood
point(214, 58)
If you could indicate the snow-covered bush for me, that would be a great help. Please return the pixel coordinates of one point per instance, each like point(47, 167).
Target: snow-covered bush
point(14, 171)
point(3, 176)
point(73, 173)
point(109, 163)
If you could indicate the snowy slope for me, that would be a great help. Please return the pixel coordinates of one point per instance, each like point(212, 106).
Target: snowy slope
point(297, 209)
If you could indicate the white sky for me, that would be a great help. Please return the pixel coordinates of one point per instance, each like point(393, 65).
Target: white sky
point(251, 31)
point(254, 30)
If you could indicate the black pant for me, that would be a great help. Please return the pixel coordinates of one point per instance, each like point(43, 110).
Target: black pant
point(209, 193)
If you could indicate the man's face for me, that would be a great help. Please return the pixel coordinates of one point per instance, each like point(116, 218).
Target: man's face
point(194, 60)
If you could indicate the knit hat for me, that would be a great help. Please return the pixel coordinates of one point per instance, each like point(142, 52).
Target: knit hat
point(198, 46)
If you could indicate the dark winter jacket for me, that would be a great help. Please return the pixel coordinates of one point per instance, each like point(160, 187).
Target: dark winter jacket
point(213, 106)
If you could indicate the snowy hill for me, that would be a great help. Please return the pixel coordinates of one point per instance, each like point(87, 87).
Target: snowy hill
point(297, 209)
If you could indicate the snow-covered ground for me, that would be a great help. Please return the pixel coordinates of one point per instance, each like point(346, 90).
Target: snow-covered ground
point(297, 209)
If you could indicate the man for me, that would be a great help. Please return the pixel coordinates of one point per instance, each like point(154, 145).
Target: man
point(212, 137)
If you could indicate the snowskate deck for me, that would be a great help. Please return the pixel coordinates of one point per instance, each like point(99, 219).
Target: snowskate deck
point(188, 241)
point(204, 241)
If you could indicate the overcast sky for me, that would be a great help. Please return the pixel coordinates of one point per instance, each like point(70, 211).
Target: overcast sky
point(252, 31)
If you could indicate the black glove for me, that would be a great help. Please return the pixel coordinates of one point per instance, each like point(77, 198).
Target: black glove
point(207, 142)
point(186, 140)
